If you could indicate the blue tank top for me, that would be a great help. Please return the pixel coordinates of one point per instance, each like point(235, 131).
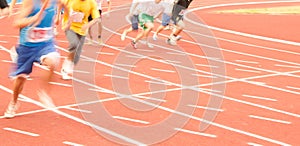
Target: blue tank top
point(43, 32)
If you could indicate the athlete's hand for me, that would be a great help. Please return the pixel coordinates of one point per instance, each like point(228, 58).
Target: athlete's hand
point(10, 11)
point(66, 26)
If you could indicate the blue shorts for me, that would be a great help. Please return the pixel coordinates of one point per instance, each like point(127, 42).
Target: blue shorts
point(135, 22)
point(28, 55)
point(165, 19)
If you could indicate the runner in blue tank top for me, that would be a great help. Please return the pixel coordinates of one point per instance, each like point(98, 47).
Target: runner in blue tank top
point(36, 44)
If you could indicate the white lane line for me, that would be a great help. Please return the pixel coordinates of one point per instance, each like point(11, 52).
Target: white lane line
point(195, 132)
point(210, 90)
point(173, 53)
point(113, 76)
point(157, 82)
point(72, 143)
point(269, 119)
point(207, 65)
point(131, 120)
point(105, 53)
point(60, 84)
point(144, 50)
point(134, 56)
point(288, 66)
point(246, 61)
point(99, 90)
point(204, 76)
point(85, 59)
point(259, 97)
point(126, 65)
point(21, 132)
point(247, 70)
point(172, 61)
point(254, 144)
point(163, 70)
point(257, 83)
point(7, 61)
point(80, 71)
point(291, 87)
point(142, 97)
point(206, 108)
point(76, 109)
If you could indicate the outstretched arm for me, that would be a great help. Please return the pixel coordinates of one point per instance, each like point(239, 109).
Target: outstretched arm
point(22, 20)
point(134, 5)
point(60, 6)
point(109, 5)
point(11, 6)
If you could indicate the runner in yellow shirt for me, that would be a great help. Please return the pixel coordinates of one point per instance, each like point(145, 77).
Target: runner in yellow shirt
point(76, 25)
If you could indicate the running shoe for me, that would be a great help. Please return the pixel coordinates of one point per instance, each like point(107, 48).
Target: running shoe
point(11, 110)
point(154, 37)
point(45, 99)
point(123, 36)
point(134, 44)
point(65, 75)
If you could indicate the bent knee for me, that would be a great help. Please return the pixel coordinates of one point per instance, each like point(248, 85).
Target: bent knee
point(50, 60)
point(181, 24)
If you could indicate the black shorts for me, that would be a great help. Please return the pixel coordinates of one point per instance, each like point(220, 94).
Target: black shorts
point(3, 4)
point(177, 13)
point(90, 18)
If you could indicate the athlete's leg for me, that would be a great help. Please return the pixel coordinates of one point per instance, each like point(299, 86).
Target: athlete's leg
point(100, 27)
point(134, 26)
point(165, 22)
point(148, 28)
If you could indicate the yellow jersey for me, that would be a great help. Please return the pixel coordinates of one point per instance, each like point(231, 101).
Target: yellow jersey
point(79, 11)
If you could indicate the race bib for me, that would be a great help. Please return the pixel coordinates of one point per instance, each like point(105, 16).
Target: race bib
point(76, 16)
point(39, 34)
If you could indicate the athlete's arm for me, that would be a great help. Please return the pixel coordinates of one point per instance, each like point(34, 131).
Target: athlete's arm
point(95, 15)
point(133, 7)
point(109, 5)
point(60, 5)
point(22, 20)
point(11, 6)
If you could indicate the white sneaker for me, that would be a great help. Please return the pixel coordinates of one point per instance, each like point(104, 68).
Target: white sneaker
point(45, 99)
point(134, 44)
point(167, 27)
point(154, 37)
point(150, 45)
point(65, 75)
point(178, 37)
point(68, 66)
point(172, 41)
point(11, 110)
point(123, 36)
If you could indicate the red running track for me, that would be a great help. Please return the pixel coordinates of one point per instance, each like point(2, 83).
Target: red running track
point(260, 104)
